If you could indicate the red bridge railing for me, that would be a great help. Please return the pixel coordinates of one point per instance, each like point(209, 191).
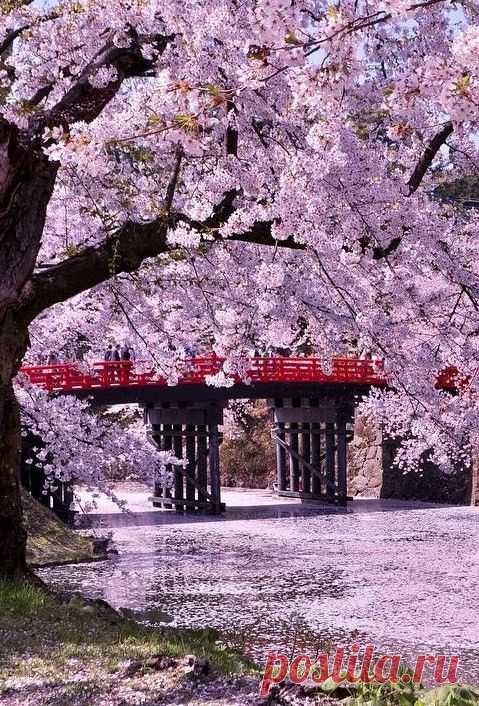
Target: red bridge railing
point(106, 374)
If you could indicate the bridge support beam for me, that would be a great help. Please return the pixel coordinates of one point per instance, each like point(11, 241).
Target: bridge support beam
point(311, 443)
point(190, 430)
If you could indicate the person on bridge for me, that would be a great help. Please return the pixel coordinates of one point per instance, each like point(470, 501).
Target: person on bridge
point(125, 353)
point(191, 350)
point(108, 353)
point(116, 353)
point(52, 358)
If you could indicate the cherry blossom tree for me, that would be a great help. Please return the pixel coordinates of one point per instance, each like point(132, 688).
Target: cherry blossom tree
point(241, 175)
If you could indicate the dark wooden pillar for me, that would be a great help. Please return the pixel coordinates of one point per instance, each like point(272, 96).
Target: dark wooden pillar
point(293, 461)
point(342, 481)
point(178, 491)
point(315, 446)
point(294, 469)
point(215, 469)
point(317, 488)
point(282, 480)
point(57, 502)
point(191, 431)
point(191, 467)
point(305, 453)
point(202, 461)
point(281, 475)
point(330, 452)
point(161, 490)
point(68, 497)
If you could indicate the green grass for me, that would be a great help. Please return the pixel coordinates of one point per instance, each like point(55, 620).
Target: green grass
point(49, 540)
point(69, 655)
point(46, 641)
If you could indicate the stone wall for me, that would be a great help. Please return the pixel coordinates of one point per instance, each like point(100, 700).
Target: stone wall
point(365, 460)
point(371, 473)
point(475, 481)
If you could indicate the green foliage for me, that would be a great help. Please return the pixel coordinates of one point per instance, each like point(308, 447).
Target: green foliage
point(248, 458)
point(393, 694)
point(400, 694)
point(20, 598)
point(374, 693)
point(450, 695)
point(49, 540)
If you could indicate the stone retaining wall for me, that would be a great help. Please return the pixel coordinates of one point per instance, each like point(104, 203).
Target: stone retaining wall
point(365, 460)
point(371, 473)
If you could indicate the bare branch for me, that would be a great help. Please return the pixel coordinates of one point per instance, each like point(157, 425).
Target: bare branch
point(170, 192)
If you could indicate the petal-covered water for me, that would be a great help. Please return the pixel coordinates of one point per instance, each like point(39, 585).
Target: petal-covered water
point(401, 576)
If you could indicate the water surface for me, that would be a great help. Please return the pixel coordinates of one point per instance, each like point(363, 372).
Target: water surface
point(275, 574)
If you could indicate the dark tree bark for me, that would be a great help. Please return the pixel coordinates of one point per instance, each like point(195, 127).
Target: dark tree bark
point(13, 536)
point(26, 184)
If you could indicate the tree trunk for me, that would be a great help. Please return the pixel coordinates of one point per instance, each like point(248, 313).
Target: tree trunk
point(13, 343)
point(27, 179)
point(13, 536)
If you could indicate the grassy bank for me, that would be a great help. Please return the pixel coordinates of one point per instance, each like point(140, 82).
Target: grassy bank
point(49, 540)
point(78, 653)
point(73, 652)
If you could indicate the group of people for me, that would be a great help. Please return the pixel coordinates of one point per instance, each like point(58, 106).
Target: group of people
point(113, 353)
point(118, 353)
point(51, 358)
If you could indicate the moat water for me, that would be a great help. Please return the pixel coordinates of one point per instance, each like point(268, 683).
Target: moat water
point(275, 575)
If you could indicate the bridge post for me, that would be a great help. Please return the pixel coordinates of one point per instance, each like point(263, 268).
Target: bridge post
point(316, 488)
point(293, 457)
point(191, 431)
point(215, 470)
point(190, 444)
point(305, 452)
point(280, 453)
point(202, 457)
point(178, 476)
point(330, 445)
point(342, 457)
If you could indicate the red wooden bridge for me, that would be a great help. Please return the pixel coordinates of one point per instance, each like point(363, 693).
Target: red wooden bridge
point(103, 375)
point(311, 404)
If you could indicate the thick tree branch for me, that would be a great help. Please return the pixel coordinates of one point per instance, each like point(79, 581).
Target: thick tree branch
point(259, 233)
point(85, 102)
point(123, 252)
point(27, 179)
point(426, 160)
point(10, 38)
